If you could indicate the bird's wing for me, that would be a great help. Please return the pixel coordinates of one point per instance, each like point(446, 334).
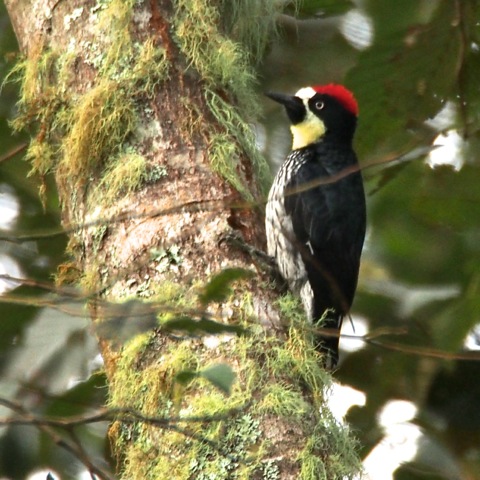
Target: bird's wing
point(325, 226)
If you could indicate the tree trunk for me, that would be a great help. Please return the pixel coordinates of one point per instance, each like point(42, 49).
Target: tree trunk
point(141, 111)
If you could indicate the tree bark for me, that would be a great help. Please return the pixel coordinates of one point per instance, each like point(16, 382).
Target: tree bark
point(141, 111)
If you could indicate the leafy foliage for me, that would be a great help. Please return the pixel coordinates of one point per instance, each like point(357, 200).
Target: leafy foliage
point(204, 325)
point(219, 287)
point(220, 375)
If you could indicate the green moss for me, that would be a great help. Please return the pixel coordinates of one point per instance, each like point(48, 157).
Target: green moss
point(171, 293)
point(252, 23)
point(272, 379)
point(41, 78)
point(114, 19)
point(90, 280)
point(234, 456)
point(225, 148)
point(283, 400)
point(329, 453)
point(172, 299)
point(202, 31)
point(35, 75)
point(209, 405)
point(150, 69)
point(220, 61)
point(42, 156)
point(146, 390)
point(123, 174)
point(224, 158)
point(102, 121)
point(298, 353)
point(86, 135)
point(290, 307)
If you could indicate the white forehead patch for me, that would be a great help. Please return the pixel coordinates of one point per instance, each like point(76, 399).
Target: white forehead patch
point(305, 93)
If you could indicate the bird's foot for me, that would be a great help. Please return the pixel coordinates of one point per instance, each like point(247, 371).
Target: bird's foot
point(262, 260)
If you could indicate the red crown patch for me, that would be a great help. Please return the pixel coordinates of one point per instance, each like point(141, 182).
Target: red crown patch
point(343, 95)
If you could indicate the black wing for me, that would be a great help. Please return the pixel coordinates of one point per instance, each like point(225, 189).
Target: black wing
point(329, 223)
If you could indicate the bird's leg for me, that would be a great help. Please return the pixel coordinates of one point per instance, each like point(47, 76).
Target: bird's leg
point(262, 260)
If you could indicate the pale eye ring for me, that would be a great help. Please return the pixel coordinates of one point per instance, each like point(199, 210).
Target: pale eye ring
point(319, 105)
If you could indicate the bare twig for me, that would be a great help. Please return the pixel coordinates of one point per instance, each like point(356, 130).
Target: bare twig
point(27, 418)
point(11, 153)
point(125, 415)
point(208, 205)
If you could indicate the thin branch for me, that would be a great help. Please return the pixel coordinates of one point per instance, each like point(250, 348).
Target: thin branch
point(113, 311)
point(195, 206)
point(462, 72)
point(377, 338)
point(11, 153)
point(125, 415)
point(425, 352)
point(27, 418)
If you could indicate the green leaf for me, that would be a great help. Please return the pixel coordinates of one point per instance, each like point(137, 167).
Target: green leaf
point(220, 375)
point(218, 288)
point(204, 325)
point(125, 320)
point(186, 376)
point(77, 400)
point(454, 322)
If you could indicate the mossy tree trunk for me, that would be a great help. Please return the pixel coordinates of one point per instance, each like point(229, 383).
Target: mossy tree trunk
point(140, 110)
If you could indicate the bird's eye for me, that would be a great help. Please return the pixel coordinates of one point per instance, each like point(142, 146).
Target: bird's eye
point(319, 105)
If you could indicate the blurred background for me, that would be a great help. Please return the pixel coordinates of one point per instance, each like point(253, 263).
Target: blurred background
point(414, 67)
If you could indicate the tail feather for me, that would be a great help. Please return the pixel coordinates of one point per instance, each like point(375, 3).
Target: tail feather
point(327, 344)
point(318, 305)
point(328, 317)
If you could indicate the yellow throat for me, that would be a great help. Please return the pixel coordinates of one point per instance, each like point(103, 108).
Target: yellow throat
point(308, 131)
point(312, 128)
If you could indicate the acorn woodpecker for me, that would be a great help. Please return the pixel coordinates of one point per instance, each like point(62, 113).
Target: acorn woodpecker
point(315, 214)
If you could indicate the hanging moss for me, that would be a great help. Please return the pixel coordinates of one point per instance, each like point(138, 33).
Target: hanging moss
point(220, 61)
point(80, 135)
point(101, 123)
point(252, 23)
point(224, 151)
point(124, 175)
point(204, 32)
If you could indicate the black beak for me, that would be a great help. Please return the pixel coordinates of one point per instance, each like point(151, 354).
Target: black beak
point(293, 105)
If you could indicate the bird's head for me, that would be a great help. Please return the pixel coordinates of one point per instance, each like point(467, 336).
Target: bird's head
point(318, 111)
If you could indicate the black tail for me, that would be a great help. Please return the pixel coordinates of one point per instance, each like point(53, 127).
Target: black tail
point(332, 298)
point(327, 343)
